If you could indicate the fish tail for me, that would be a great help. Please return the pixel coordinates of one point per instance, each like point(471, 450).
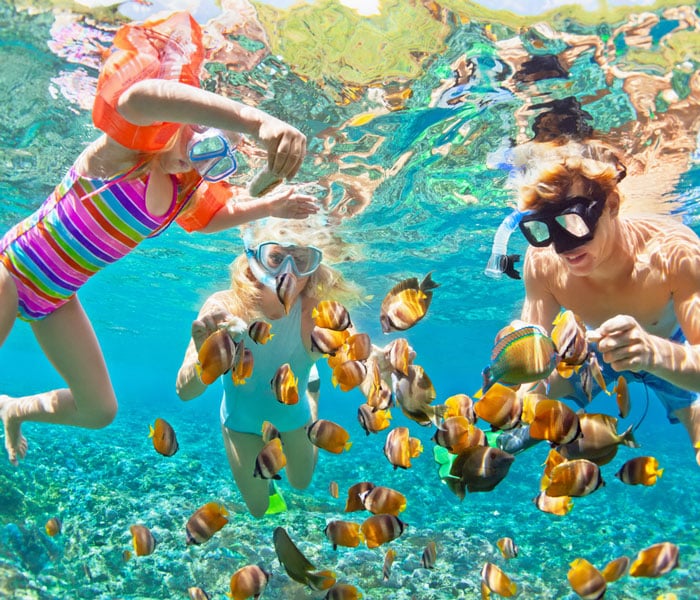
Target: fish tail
point(151, 431)
point(428, 284)
point(347, 446)
point(659, 472)
point(628, 437)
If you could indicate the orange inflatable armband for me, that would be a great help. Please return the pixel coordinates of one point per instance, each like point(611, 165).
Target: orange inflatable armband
point(169, 48)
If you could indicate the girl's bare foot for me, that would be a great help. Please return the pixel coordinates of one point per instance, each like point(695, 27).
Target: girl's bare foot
point(15, 442)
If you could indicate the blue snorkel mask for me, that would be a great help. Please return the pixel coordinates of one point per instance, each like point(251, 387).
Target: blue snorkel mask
point(212, 155)
point(501, 262)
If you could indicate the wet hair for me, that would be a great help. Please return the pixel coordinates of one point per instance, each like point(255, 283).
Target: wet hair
point(549, 170)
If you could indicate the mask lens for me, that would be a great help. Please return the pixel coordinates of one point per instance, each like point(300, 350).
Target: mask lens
point(220, 169)
point(305, 259)
point(573, 224)
point(208, 147)
point(537, 232)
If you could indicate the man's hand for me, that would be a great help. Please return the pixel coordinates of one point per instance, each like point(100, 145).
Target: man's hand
point(625, 345)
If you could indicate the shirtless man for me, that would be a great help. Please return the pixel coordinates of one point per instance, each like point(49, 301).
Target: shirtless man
point(634, 279)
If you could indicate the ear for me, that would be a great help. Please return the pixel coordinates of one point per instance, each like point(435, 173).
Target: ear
point(613, 203)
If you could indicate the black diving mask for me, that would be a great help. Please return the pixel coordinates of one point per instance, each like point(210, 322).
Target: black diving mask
point(567, 225)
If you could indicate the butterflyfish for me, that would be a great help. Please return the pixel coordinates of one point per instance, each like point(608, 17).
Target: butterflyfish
point(399, 354)
point(331, 314)
point(197, 593)
point(216, 356)
point(530, 402)
point(590, 373)
point(142, 539)
point(414, 394)
point(243, 366)
point(383, 500)
point(260, 332)
point(641, 470)
point(553, 459)
point(497, 581)
point(285, 287)
point(615, 569)
point(285, 385)
point(53, 526)
point(524, 355)
point(328, 436)
point(508, 548)
point(343, 533)
point(378, 394)
point(655, 560)
point(380, 529)
point(599, 439)
point(389, 559)
point(373, 421)
point(297, 566)
point(427, 559)
point(328, 341)
point(400, 448)
point(569, 338)
point(349, 375)
point(460, 405)
point(270, 460)
point(555, 422)
point(164, 439)
point(480, 468)
point(500, 407)
point(354, 501)
point(343, 591)
point(205, 522)
point(269, 432)
point(406, 303)
point(333, 489)
point(559, 506)
point(457, 434)
point(248, 582)
point(359, 346)
point(622, 397)
point(586, 580)
point(576, 478)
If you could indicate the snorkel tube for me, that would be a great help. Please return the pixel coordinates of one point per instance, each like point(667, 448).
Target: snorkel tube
point(500, 261)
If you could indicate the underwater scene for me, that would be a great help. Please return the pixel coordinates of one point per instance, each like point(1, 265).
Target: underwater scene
point(411, 109)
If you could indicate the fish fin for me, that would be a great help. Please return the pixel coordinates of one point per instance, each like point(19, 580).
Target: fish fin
point(659, 472)
point(347, 446)
point(628, 438)
point(151, 431)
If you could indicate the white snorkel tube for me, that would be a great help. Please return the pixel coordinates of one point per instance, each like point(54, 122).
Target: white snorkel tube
point(500, 261)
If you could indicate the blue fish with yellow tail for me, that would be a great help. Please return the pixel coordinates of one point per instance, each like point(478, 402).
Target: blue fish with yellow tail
point(523, 355)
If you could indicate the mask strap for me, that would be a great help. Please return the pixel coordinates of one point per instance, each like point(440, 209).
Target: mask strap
point(500, 261)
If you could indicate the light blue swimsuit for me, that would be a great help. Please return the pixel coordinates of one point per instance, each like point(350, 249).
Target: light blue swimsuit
point(671, 396)
point(245, 407)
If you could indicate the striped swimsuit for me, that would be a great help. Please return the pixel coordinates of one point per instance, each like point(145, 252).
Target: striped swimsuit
point(73, 234)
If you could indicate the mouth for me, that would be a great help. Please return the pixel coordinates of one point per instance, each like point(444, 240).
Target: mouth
point(574, 258)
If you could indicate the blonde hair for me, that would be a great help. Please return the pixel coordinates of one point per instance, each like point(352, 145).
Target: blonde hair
point(548, 170)
point(326, 283)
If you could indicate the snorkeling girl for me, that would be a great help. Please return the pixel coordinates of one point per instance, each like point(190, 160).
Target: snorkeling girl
point(274, 248)
point(158, 160)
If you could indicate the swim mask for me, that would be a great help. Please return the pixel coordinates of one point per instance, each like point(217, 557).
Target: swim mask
point(567, 225)
point(212, 154)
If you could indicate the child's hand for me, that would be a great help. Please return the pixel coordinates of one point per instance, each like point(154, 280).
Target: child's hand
point(286, 146)
point(207, 324)
point(290, 204)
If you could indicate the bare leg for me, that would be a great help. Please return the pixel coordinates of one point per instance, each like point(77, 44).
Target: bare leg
point(242, 449)
point(301, 457)
point(68, 340)
point(690, 417)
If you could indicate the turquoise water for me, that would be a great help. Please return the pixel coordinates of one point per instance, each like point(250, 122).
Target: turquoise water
point(438, 190)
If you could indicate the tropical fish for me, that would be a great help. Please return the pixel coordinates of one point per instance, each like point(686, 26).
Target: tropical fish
point(349, 375)
point(554, 506)
point(457, 434)
point(642, 470)
point(569, 337)
point(328, 341)
point(530, 402)
point(197, 593)
point(508, 548)
point(216, 356)
point(260, 332)
point(591, 372)
point(297, 565)
point(480, 469)
point(599, 439)
point(622, 397)
point(331, 314)
point(142, 539)
point(164, 439)
point(615, 569)
point(389, 559)
point(385, 500)
point(359, 346)
point(285, 286)
point(53, 526)
point(497, 581)
point(248, 582)
point(500, 406)
point(414, 395)
point(399, 355)
point(285, 385)
point(380, 529)
point(406, 304)
point(354, 501)
point(270, 460)
point(243, 366)
point(343, 591)
point(328, 436)
point(524, 355)
point(577, 478)
point(333, 489)
point(655, 560)
point(460, 405)
point(553, 459)
point(586, 580)
point(555, 422)
point(399, 448)
point(343, 533)
point(427, 559)
point(269, 432)
point(375, 389)
point(373, 421)
point(205, 522)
